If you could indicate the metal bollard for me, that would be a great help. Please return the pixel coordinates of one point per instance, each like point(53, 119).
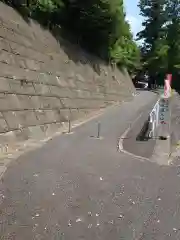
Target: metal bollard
point(69, 126)
point(98, 130)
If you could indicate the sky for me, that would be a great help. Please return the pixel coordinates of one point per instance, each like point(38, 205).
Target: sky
point(133, 16)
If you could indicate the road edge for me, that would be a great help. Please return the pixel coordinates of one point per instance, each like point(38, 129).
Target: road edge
point(123, 136)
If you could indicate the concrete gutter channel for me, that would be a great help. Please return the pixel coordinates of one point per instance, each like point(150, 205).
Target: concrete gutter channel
point(163, 152)
point(137, 141)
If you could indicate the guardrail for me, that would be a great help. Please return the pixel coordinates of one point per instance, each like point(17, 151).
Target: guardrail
point(160, 119)
point(154, 120)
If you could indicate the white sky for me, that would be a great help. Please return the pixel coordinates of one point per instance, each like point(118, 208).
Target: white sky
point(133, 16)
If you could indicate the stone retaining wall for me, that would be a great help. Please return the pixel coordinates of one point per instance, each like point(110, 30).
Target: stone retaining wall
point(45, 81)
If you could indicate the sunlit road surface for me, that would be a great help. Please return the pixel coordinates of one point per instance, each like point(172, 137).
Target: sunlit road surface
point(80, 187)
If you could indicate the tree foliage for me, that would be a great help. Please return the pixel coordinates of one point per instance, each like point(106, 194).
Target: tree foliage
point(99, 25)
point(161, 36)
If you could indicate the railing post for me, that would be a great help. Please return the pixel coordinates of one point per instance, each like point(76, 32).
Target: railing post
point(154, 120)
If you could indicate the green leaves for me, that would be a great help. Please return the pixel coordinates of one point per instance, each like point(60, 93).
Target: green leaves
point(125, 53)
point(154, 47)
point(161, 35)
point(102, 29)
point(99, 25)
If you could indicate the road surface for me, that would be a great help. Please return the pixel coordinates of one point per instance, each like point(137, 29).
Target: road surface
point(79, 187)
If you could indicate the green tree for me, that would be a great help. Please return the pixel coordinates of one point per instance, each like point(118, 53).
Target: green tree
point(47, 12)
point(173, 39)
point(154, 36)
point(99, 26)
point(102, 28)
point(126, 53)
point(161, 34)
point(173, 34)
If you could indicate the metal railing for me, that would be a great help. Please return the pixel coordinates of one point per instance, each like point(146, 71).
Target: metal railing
point(154, 120)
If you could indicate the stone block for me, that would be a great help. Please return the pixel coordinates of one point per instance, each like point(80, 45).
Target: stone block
point(12, 72)
point(14, 103)
point(79, 78)
point(110, 97)
point(44, 128)
point(31, 76)
point(27, 52)
point(4, 45)
point(82, 93)
point(25, 133)
point(36, 132)
point(48, 67)
point(101, 89)
point(21, 135)
point(54, 90)
point(52, 128)
point(85, 103)
point(74, 114)
point(71, 82)
point(32, 64)
point(43, 78)
point(12, 120)
point(4, 84)
point(70, 103)
point(7, 138)
point(92, 87)
point(64, 115)
point(42, 89)
point(59, 125)
point(3, 124)
point(57, 114)
point(25, 41)
point(22, 87)
point(36, 102)
point(38, 56)
point(52, 80)
point(51, 103)
point(24, 102)
point(100, 103)
point(52, 116)
point(82, 85)
point(114, 97)
point(6, 57)
point(4, 33)
point(95, 95)
point(93, 104)
point(81, 113)
point(49, 129)
point(17, 48)
point(41, 116)
point(27, 118)
point(62, 92)
point(62, 81)
point(20, 61)
point(5, 104)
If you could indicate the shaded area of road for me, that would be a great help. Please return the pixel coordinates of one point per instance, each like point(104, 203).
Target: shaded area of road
point(136, 140)
point(79, 187)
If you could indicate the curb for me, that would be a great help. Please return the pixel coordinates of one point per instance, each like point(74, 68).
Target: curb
point(121, 140)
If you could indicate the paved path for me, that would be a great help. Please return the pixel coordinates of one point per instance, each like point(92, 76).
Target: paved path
point(79, 187)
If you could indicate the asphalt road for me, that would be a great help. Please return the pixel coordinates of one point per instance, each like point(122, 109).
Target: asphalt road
point(79, 187)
